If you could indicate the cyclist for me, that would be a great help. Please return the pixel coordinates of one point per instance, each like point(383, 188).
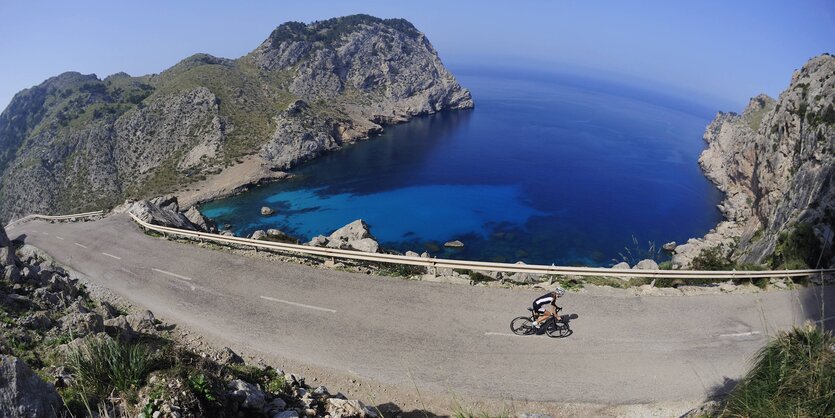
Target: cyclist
point(546, 306)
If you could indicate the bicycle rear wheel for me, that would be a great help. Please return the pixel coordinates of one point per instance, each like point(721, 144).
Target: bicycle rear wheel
point(521, 325)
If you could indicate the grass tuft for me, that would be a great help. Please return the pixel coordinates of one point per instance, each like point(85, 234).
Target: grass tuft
point(793, 376)
point(104, 364)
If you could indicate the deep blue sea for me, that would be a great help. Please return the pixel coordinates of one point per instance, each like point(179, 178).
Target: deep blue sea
point(544, 170)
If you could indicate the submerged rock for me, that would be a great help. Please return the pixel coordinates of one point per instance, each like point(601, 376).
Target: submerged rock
point(454, 244)
point(266, 211)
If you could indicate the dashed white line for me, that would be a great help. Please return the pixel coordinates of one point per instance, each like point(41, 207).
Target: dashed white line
point(80, 245)
point(301, 305)
point(741, 334)
point(503, 334)
point(112, 256)
point(45, 233)
point(61, 238)
point(173, 275)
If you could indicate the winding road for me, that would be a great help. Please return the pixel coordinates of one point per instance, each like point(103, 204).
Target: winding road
point(625, 349)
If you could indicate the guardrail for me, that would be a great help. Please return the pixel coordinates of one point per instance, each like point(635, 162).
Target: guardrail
point(54, 217)
point(477, 265)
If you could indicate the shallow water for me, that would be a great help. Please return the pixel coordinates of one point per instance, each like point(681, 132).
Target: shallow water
point(544, 171)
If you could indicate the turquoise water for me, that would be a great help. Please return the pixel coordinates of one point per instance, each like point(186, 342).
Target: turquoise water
point(549, 170)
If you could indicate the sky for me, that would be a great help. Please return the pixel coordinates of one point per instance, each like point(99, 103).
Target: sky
point(719, 53)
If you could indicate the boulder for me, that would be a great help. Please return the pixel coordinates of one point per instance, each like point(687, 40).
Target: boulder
point(82, 324)
point(278, 235)
point(669, 247)
point(341, 408)
point(227, 356)
point(12, 274)
point(259, 234)
point(318, 241)
point(412, 254)
point(354, 236)
point(163, 216)
point(141, 321)
point(454, 244)
point(252, 397)
point(7, 255)
point(198, 220)
point(524, 278)
point(267, 211)
point(168, 202)
point(37, 320)
point(623, 265)
point(119, 327)
point(646, 265)
point(23, 394)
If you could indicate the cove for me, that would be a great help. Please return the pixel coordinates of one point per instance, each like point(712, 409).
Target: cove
point(543, 170)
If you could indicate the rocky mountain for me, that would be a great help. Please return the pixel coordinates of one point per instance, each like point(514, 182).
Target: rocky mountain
point(776, 165)
point(77, 142)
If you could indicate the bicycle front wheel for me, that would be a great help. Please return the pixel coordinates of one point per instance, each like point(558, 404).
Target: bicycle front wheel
point(521, 325)
point(557, 330)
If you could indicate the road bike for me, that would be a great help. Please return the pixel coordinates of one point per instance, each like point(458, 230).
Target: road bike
point(523, 325)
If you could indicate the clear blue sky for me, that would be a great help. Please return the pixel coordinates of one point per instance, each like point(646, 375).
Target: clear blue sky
point(720, 52)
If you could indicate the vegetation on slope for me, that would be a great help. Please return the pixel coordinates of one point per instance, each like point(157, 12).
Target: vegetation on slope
point(793, 376)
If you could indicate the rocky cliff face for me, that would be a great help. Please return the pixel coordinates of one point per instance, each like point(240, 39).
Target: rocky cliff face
point(76, 142)
point(776, 165)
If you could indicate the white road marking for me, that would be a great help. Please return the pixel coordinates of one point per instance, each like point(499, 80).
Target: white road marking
point(503, 334)
point(112, 256)
point(741, 334)
point(301, 305)
point(174, 275)
point(61, 238)
point(80, 245)
point(45, 233)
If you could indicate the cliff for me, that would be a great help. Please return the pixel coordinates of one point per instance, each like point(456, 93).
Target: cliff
point(76, 142)
point(776, 165)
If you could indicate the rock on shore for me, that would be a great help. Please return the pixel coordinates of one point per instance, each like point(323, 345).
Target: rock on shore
point(354, 236)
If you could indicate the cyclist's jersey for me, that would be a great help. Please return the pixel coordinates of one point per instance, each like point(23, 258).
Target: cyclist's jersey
point(542, 301)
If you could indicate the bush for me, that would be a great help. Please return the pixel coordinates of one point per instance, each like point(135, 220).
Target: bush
point(104, 364)
point(793, 376)
point(796, 249)
point(712, 259)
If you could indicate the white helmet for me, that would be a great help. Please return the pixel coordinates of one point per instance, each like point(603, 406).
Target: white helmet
point(559, 291)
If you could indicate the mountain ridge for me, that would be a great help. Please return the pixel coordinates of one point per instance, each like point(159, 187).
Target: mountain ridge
point(77, 142)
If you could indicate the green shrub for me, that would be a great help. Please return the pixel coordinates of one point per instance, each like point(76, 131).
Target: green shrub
point(104, 364)
point(201, 386)
point(796, 249)
point(712, 259)
point(793, 376)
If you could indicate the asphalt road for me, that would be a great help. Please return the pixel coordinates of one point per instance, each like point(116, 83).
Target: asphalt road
point(625, 349)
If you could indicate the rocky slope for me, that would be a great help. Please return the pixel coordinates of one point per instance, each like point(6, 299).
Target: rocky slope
point(76, 142)
point(52, 328)
point(776, 165)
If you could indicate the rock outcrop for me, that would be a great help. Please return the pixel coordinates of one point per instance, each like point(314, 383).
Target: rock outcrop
point(23, 394)
point(165, 211)
point(77, 142)
point(354, 236)
point(776, 165)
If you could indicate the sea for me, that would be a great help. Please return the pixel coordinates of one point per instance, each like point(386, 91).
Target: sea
point(546, 169)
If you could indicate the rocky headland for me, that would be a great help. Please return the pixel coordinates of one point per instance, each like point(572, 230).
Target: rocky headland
point(77, 142)
point(775, 163)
